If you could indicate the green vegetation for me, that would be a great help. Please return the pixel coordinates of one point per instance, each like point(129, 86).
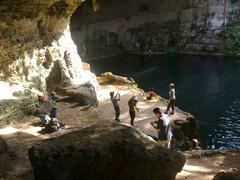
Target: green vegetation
point(164, 37)
point(174, 32)
point(231, 40)
point(13, 111)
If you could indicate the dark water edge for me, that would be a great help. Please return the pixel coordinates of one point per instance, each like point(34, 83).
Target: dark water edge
point(206, 86)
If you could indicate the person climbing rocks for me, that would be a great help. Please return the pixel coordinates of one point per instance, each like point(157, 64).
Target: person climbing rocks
point(114, 100)
point(132, 104)
point(172, 99)
point(163, 127)
point(151, 94)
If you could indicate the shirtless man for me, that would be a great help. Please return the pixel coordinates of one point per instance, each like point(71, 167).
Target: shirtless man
point(132, 104)
point(114, 100)
point(172, 98)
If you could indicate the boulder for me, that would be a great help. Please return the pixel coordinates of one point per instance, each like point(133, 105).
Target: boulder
point(3, 146)
point(104, 151)
point(183, 133)
point(179, 142)
point(232, 174)
point(84, 95)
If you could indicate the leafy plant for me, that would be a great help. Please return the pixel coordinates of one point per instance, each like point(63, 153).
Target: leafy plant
point(13, 111)
point(231, 40)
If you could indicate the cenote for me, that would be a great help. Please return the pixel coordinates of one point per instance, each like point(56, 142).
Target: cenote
point(206, 86)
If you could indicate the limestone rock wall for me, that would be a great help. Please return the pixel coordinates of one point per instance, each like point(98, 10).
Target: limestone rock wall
point(151, 26)
point(36, 48)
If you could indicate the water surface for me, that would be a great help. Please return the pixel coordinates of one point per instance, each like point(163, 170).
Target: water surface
point(207, 87)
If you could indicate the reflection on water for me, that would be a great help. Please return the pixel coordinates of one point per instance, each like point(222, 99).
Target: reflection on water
point(208, 87)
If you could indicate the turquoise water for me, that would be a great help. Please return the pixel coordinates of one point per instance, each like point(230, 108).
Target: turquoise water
point(207, 87)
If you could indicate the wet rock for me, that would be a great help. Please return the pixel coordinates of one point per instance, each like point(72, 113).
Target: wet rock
point(179, 142)
point(104, 151)
point(3, 146)
point(232, 174)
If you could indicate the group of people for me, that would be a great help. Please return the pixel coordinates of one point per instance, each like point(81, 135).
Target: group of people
point(50, 122)
point(132, 104)
point(162, 125)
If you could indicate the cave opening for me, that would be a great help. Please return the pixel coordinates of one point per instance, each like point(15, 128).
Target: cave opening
point(128, 37)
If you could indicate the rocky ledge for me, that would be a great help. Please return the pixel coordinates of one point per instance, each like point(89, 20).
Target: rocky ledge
point(185, 124)
point(104, 151)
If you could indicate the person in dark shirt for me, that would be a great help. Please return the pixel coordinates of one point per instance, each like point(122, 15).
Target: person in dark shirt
point(114, 100)
point(132, 104)
point(163, 127)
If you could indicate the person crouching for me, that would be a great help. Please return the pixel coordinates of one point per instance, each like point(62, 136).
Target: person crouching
point(163, 127)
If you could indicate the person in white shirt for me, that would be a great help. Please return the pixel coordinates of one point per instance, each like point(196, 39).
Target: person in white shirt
point(172, 99)
point(163, 127)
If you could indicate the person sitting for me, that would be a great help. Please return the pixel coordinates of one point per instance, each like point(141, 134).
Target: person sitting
point(163, 127)
point(114, 100)
point(41, 97)
point(44, 119)
point(53, 125)
point(151, 94)
point(54, 96)
point(53, 112)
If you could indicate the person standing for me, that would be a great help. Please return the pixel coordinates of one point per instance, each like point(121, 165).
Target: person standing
point(114, 100)
point(132, 104)
point(163, 127)
point(172, 99)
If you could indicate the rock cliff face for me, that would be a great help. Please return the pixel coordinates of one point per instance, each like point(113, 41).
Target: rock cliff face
point(36, 48)
point(37, 51)
point(152, 26)
point(104, 151)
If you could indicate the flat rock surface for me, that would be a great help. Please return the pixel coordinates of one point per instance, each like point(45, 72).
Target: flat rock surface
point(145, 114)
point(205, 167)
